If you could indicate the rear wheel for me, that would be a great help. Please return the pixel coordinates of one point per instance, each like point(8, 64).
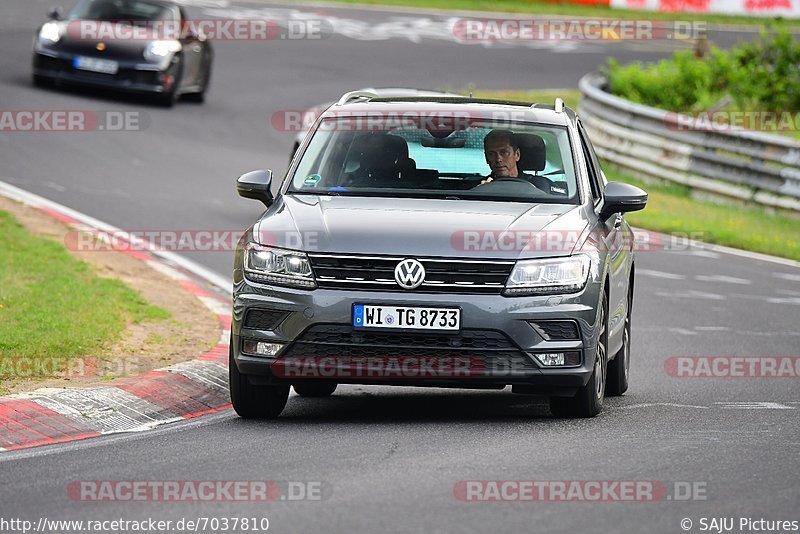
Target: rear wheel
point(315, 389)
point(588, 402)
point(619, 367)
point(251, 401)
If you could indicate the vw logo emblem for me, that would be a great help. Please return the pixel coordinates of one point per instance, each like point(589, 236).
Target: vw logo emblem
point(409, 274)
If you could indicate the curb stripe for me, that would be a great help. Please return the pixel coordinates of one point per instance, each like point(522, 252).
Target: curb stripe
point(131, 404)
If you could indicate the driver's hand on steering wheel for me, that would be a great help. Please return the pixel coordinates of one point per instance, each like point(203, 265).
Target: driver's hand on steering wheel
point(486, 180)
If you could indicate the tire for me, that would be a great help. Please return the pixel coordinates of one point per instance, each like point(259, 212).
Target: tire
point(251, 401)
point(42, 81)
point(200, 96)
point(588, 402)
point(619, 367)
point(315, 389)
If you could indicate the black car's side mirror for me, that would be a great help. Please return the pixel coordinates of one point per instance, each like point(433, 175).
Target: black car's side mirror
point(55, 13)
point(622, 198)
point(256, 185)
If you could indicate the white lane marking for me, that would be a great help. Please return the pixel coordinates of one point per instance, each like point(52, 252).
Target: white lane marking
point(660, 274)
point(693, 294)
point(777, 300)
point(723, 278)
point(57, 187)
point(753, 405)
point(712, 328)
point(203, 3)
point(671, 404)
point(684, 331)
point(703, 253)
point(32, 199)
point(787, 276)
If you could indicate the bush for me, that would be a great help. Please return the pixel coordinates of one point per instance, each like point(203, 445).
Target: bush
point(763, 74)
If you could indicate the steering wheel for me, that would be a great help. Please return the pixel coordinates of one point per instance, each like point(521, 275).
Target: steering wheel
point(501, 181)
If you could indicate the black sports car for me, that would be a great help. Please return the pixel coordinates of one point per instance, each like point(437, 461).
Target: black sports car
point(142, 46)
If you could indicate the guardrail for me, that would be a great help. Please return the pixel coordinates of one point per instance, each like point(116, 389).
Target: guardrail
point(750, 166)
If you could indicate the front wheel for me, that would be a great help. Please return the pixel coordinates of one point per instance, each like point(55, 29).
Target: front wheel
point(619, 367)
point(588, 402)
point(251, 401)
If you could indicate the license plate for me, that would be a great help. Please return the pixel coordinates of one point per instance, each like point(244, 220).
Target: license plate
point(106, 66)
point(406, 317)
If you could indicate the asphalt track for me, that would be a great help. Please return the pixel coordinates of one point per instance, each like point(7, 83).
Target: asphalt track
point(388, 459)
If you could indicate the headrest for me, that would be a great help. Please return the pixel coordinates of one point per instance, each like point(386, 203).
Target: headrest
point(532, 152)
point(381, 150)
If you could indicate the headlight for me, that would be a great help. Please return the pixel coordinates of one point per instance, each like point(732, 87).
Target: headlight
point(50, 33)
point(548, 276)
point(278, 266)
point(158, 50)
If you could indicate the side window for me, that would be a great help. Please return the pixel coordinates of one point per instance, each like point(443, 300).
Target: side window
point(591, 163)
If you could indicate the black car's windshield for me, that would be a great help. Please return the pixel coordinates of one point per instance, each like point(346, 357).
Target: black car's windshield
point(350, 156)
point(121, 10)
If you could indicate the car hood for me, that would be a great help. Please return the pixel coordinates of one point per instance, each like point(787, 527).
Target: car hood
point(421, 227)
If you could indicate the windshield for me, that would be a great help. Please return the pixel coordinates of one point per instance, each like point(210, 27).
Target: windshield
point(479, 161)
point(121, 10)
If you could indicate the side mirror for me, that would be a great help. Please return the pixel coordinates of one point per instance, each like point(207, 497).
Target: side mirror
point(55, 13)
point(256, 185)
point(622, 198)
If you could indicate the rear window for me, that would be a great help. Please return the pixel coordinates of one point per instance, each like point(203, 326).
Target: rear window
point(414, 161)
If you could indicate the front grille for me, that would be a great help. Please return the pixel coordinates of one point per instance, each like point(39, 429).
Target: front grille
point(264, 319)
point(376, 273)
point(557, 330)
point(491, 348)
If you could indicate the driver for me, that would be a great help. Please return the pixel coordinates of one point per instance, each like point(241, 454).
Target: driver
point(502, 154)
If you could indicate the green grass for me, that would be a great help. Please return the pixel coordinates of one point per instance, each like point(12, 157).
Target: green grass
point(52, 305)
point(670, 208)
point(555, 8)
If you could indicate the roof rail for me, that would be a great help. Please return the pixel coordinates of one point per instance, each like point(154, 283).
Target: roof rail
point(352, 95)
point(559, 105)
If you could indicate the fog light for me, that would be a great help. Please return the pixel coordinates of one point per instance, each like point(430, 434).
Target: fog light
point(558, 359)
point(261, 348)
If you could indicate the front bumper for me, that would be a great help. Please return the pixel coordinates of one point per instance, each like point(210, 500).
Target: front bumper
point(497, 316)
point(131, 77)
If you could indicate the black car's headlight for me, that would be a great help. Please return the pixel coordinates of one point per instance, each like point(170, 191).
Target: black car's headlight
point(280, 267)
point(50, 33)
point(548, 276)
point(158, 51)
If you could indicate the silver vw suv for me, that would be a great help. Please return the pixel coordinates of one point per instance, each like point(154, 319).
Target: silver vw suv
point(438, 241)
